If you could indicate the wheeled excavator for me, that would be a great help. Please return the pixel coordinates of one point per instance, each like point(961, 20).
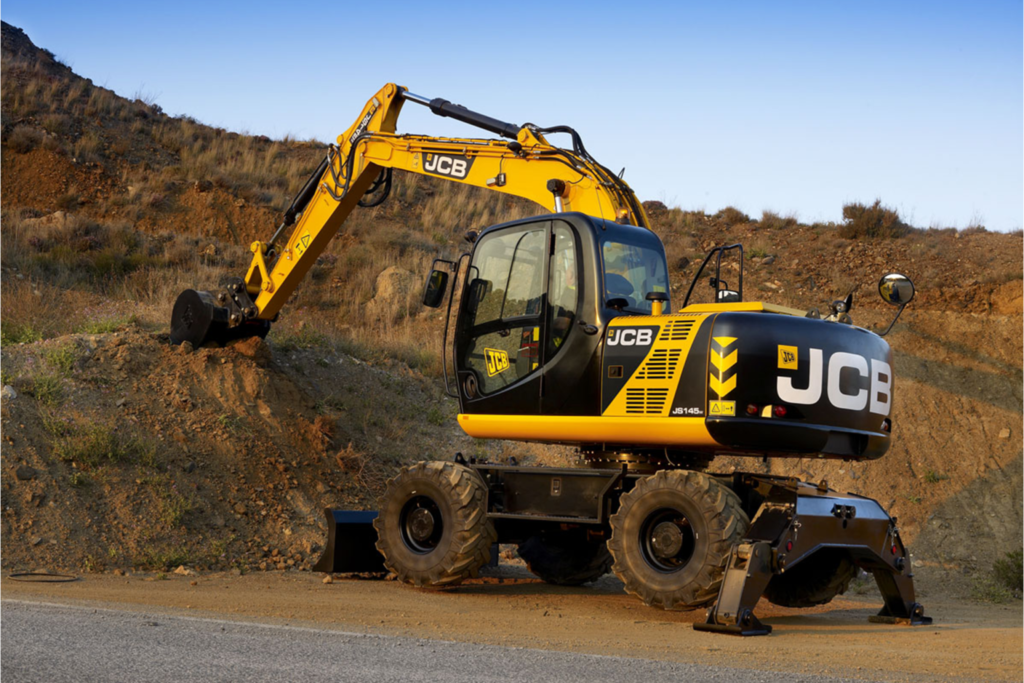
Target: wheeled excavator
point(560, 329)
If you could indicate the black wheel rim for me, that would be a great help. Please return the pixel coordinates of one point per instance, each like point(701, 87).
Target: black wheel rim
point(422, 525)
point(667, 540)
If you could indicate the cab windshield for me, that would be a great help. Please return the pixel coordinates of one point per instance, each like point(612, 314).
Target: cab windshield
point(631, 272)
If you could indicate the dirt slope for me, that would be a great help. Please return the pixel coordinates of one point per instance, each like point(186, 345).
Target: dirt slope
point(135, 455)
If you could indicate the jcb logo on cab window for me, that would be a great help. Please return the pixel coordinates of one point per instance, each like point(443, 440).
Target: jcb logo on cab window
point(447, 165)
point(631, 336)
point(497, 361)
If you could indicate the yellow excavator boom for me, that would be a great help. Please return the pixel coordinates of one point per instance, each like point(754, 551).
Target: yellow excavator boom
point(528, 167)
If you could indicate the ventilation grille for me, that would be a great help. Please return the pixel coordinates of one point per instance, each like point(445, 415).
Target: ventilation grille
point(661, 365)
point(676, 330)
point(645, 401)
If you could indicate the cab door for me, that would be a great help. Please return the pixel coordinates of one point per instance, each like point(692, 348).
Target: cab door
point(499, 345)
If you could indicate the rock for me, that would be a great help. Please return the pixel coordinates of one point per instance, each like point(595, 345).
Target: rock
point(119, 572)
point(8, 392)
point(328, 579)
point(236, 572)
point(1004, 434)
point(185, 348)
point(239, 508)
point(36, 540)
point(682, 263)
point(25, 473)
point(182, 570)
point(393, 291)
point(767, 260)
point(189, 468)
point(54, 219)
point(120, 402)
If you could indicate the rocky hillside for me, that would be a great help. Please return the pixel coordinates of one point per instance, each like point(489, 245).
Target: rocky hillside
point(119, 451)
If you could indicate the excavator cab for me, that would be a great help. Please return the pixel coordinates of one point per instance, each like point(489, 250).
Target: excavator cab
point(536, 294)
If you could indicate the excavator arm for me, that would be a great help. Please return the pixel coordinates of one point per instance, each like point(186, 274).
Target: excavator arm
point(357, 171)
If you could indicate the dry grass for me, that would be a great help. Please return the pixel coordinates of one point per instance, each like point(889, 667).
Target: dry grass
point(871, 221)
point(773, 221)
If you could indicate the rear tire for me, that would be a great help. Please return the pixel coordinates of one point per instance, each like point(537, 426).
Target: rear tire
point(671, 538)
point(815, 581)
point(566, 558)
point(433, 528)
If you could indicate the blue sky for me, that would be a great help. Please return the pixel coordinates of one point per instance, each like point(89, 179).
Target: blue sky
point(792, 107)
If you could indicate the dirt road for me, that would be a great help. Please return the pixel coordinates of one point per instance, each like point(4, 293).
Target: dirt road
point(967, 642)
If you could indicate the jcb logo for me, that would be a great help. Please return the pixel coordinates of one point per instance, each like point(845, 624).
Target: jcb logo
point(878, 399)
point(497, 361)
point(631, 336)
point(447, 165)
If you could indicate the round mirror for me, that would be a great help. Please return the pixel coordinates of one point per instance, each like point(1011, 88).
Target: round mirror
point(896, 289)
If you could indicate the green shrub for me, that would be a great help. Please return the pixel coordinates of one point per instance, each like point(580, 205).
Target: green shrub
point(98, 444)
point(63, 358)
point(48, 390)
point(985, 589)
point(1009, 571)
point(107, 325)
point(17, 333)
point(871, 221)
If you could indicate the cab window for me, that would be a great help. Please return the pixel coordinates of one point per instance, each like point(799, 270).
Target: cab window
point(506, 291)
point(631, 272)
point(563, 291)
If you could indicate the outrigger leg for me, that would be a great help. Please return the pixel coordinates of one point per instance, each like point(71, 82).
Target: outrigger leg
point(795, 521)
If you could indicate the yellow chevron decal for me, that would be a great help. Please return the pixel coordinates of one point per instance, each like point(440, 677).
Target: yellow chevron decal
point(723, 364)
point(722, 388)
point(724, 341)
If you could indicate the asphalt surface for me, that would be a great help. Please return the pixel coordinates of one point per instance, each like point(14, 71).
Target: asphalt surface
point(55, 643)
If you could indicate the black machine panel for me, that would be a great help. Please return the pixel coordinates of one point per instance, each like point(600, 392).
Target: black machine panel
point(833, 381)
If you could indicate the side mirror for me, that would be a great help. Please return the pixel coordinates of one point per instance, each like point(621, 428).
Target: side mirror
point(437, 285)
point(896, 289)
point(727, 296)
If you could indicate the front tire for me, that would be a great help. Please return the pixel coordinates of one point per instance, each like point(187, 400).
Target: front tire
point(671, 538)
point(565, 558)
point(432, 528)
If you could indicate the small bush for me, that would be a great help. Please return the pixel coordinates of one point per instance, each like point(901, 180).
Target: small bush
point(56, 124)
point(162, 558)
point(48, 390)
point(99, 444)
point(107, 325)
point(871, 221)
point(63, 358)
point(1009, 571)
point(24, 139)
point(15, 333)
point(933, 477)
point(732, 216)
point(773, 221)
point(985, 589)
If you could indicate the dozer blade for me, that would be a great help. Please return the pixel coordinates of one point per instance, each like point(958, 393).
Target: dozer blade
point(200, 318)
point(351, 543)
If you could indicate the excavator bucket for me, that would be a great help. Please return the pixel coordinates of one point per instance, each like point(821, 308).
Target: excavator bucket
point(204, 317)
point(351, 543)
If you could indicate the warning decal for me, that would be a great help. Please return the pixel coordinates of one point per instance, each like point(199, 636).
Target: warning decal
point(722, 408)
